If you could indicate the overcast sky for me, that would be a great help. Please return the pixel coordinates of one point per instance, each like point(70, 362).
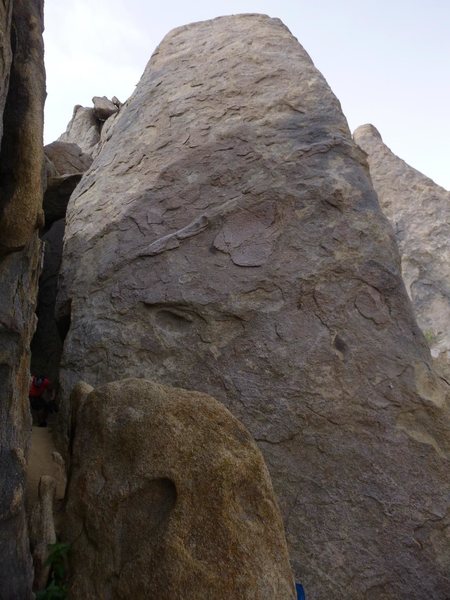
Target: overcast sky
point(388, 61)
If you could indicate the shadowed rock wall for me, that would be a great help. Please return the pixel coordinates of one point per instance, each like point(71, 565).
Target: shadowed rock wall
point(22, 155)
point(5, 54)
point(22, 94)
point(65, 166)
point(46, 346)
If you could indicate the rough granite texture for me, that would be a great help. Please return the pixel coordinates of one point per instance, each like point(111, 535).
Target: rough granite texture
point(228, 239)
point(21, 154)
point(169, 498)
point(68, 159)
point(42, 530)
point(22, 92)
point(419, 211)
point(65, 165)
point(105, 134)
point(5, 54)
point(104, 108)
point(83, 129)
point(19, 275)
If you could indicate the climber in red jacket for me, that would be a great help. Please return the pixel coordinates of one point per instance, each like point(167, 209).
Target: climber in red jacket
point(38, 402)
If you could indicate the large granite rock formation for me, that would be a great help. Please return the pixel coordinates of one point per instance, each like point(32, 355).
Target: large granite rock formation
point(419, 211)
point(228, 239)
point(22, 93)
point(169, 498)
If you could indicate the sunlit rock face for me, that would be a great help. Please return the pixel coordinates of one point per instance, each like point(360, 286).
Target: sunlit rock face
point(89, 126)
point(22, 94)
point(419, 211)
point(227, 239)
point(169, 497)
point(83, 129)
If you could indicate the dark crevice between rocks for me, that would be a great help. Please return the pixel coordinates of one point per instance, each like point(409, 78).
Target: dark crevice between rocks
point(9, 145)
point(65, 164)
point(46, 471)
point(46, 345)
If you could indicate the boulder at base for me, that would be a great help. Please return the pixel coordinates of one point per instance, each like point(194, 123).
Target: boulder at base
point(228, 239)
point(169, 498)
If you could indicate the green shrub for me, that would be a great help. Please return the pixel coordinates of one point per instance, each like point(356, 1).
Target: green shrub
point(430, 336)
point(57, 561)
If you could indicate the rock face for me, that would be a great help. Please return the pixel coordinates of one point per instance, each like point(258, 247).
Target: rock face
point(104, 108)
point(419, 211)
point(228, 239)
point(82, 130)
point(42, 531)
point(5, 54)
point(170, 498)
point(22, 93)
point(65, 165)
point(67, 159)
point(86, 125)
point(20, 210)
point(19, 274)
point(46, 481)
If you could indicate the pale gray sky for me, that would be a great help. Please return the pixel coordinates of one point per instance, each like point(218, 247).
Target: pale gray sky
point(387, 61)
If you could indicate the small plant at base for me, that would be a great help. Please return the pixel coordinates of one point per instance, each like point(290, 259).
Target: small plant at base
point(57, 561)
point(430, 336)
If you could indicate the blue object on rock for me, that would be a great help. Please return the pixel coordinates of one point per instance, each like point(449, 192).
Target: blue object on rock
point(300, 591)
